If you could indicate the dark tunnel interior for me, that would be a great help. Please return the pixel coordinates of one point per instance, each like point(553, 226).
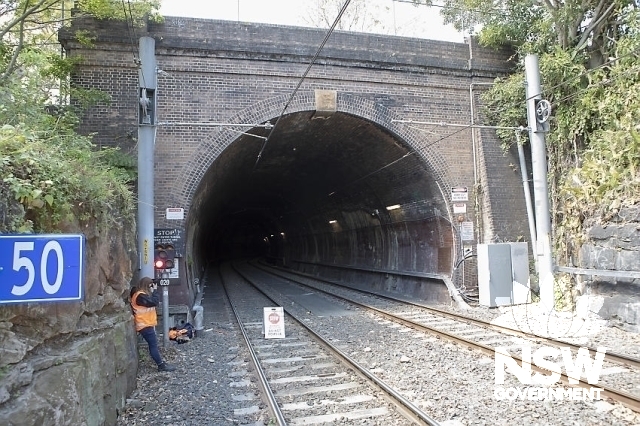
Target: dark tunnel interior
point(339, 189)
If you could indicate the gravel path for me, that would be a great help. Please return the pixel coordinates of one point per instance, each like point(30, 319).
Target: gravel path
point(202, 392)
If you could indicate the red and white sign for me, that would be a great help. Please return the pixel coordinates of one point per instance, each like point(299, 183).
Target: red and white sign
point(273, 323)
point(175, 213)
point(459, 207)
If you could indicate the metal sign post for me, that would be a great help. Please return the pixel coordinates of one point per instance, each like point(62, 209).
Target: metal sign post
point(164, 283)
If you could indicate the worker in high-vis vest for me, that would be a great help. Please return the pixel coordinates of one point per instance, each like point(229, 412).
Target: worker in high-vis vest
point(144, 300)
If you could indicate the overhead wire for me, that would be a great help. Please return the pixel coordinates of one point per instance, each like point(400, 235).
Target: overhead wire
point(587, 72)
point(132, 35)
point(545, 90)
point(315, 57)
point(406, 155)
point(604, 82)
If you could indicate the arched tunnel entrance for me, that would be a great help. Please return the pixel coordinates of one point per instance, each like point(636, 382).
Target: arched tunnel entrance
point(340, 190)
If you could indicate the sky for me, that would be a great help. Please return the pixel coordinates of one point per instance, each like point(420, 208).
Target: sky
point(395, 17)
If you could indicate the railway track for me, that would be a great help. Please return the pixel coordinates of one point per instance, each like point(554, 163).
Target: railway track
point(619, 376)
point(307, 380)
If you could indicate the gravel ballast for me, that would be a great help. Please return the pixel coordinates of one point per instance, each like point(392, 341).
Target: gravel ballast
point(213, 379)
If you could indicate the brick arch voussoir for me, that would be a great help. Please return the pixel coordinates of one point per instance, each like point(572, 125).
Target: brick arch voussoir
point(212, 146)
point(384, 117)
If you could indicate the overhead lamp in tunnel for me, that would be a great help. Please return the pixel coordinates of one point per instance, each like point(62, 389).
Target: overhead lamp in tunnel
point(393, 207)
point(333, 221)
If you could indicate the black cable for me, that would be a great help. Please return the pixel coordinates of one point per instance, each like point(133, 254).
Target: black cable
point(344, 7)
point(411, 152)
point(130, 28)
point(544, 91)
point(587, 72)
point(604, 82)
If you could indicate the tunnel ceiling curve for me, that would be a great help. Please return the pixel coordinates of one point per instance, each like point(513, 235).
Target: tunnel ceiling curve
point(311, 171)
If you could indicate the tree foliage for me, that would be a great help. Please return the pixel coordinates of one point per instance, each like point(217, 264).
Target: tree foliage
point(50, 176)
point(360, 15)
point(32, 24)
point(593, 146)
point(539, 26)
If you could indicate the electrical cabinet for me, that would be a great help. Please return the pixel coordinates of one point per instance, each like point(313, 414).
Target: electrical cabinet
point(503, 274)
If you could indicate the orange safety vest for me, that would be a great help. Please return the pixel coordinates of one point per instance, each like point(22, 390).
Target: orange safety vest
point(143, 316)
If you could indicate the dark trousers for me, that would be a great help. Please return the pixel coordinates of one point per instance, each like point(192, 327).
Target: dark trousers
point(149, 334)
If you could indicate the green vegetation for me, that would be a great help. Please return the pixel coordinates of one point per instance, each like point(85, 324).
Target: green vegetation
point(52, 178)
point(589, 54)
point(594, 143)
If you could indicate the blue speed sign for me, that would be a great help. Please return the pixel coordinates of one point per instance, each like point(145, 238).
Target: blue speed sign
point(41, 267)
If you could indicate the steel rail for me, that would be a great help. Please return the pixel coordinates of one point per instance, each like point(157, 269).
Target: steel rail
point(613, 357)
point(264, 383)
point(626, 398)
point(406, 407)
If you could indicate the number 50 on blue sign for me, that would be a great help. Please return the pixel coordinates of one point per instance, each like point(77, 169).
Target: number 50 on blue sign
point(41, 268)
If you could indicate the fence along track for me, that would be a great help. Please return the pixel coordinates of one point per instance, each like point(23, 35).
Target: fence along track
point(405, 408)
point(619, 395)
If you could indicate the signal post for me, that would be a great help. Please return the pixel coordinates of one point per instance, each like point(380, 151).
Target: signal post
point(147, 123)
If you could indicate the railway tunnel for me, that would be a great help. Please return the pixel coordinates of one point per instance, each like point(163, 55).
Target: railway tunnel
point(354, 193)
point(336, 190)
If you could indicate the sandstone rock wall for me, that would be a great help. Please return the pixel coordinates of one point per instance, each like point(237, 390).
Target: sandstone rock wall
point(614, 246)
point(74, 363)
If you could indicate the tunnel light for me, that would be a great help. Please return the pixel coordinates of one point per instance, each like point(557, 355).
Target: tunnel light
point(282, 233)
point(333, 221)
point(393, 207)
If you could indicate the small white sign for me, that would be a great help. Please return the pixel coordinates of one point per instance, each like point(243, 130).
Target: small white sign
point(175, 213)
point(273, 323)
point(459, 208)
point(466, 231)
point(459, 193)
point(175, 271)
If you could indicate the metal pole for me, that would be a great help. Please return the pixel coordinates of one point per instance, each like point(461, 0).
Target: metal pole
point(147, 76)
point(165, 315)
point(527, 198)
point(540, 189)
point(146, 142)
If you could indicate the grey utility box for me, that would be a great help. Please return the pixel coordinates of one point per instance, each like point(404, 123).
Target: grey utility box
point(503, 274)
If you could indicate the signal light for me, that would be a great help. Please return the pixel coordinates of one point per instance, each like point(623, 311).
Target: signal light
point(164, 256)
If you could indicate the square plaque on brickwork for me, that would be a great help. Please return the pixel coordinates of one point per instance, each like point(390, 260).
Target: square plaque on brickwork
point(326, 103)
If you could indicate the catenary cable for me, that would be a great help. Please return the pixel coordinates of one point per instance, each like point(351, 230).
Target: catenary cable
point(132, 36)
point(326, 38)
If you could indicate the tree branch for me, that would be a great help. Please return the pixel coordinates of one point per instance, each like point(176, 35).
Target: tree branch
point(19, 20)
point(14, 58)
point(594, 23)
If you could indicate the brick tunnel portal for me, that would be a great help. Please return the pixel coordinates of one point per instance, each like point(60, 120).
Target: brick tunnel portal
point(336, 190)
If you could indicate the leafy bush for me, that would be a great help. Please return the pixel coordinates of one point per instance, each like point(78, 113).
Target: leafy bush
point(59, 182)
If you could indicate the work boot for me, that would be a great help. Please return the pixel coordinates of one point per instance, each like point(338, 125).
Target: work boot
point(165, 367)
